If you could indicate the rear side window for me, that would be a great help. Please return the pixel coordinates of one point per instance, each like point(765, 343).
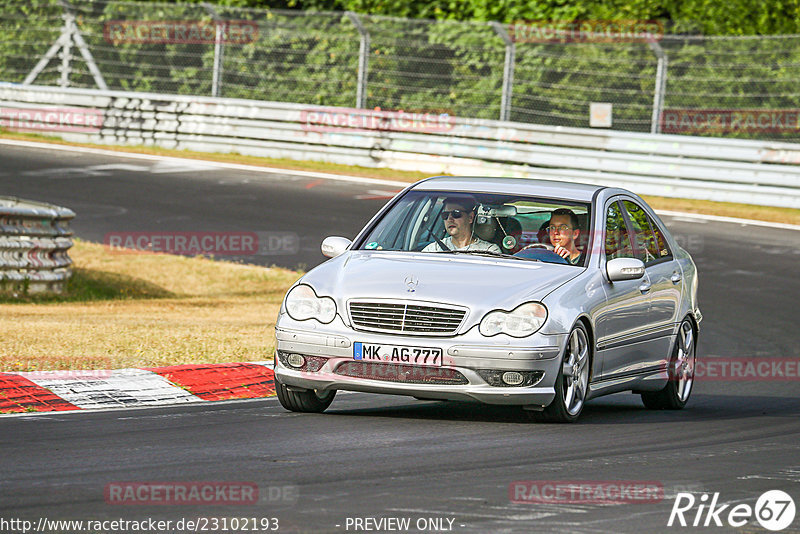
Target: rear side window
point(644, 239)
point(618, 241)
point(661, 242)
point(649, 241)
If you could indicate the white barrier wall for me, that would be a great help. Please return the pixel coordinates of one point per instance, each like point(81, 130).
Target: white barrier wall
point(732, 170)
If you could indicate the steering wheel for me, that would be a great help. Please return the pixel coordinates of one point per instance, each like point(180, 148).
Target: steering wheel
point(541, 252)
point(540, 245)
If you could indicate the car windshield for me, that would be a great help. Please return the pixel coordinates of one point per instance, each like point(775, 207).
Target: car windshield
point(513, 226)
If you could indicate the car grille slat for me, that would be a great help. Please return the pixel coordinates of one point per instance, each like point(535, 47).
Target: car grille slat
point(377, 315)
point(421, 319)
point(448, 317)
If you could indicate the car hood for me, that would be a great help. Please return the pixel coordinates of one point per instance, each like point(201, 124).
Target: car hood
point(480, 283)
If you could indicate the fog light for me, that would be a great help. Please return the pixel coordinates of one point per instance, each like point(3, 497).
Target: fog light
point(295, 360)
point(512, 378)
point(504, 379)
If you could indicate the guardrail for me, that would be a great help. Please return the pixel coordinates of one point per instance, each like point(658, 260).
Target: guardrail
point(709, 168)
point(34, 240)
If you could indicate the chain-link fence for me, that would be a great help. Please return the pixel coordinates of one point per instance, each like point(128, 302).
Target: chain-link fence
point(743, 87)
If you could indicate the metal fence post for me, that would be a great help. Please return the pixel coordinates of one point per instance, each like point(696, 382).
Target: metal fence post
point(660, 87)
point(363, 60)
point(216, 76)
point(66, 50)
point(508, 70)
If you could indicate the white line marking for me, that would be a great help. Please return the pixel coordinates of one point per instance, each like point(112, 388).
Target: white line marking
point(335, 177)
point(164, 167)
point(688, 220)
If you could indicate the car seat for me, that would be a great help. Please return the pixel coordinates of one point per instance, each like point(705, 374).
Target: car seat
point(485, 228)
point(542, 234)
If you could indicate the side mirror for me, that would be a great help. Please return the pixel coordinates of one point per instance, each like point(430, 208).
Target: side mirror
point(620, 269)
point(333, 246)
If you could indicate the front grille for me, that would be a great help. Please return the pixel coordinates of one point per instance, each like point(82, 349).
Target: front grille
point(411, 318)
point(408, 374)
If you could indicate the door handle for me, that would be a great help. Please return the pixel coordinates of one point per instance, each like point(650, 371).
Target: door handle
point(644, 287)
point(676, 277)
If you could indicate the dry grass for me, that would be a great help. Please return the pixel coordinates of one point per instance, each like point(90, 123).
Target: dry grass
point(140, 310)
point(725, 209)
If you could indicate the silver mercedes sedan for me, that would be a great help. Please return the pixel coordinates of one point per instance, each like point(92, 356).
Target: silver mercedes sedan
point(538, 294)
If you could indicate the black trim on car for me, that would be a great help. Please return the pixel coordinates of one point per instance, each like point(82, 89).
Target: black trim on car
point(637, 337)
point(630, 374)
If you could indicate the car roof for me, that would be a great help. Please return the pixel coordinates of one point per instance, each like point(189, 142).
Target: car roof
point(525, 186)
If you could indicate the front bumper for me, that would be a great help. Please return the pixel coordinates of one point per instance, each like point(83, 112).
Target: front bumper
point(467, 354)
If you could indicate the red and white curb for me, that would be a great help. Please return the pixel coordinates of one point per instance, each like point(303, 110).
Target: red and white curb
point(46, 391)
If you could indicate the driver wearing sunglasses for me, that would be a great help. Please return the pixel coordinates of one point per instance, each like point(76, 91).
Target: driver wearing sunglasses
point(458, 215)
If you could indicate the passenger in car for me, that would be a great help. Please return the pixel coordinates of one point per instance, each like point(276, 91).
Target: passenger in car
point(564, 230)
point(458, 216)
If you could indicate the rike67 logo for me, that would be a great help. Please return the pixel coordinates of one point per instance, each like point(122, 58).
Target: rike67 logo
point(774, 510)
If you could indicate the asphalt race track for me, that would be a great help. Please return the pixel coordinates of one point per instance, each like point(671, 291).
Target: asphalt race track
point(373, 457)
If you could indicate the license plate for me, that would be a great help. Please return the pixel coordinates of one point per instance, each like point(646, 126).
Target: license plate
point(371, 352)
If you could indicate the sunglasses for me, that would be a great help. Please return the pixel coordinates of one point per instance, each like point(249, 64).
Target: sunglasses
point(457, 214)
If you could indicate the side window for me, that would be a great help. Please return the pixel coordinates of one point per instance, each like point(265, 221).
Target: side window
point(661, 242)
point(618, 242)
point(646, 247)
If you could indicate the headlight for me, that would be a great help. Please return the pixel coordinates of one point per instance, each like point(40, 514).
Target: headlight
point(302, 303)
point(521, 322)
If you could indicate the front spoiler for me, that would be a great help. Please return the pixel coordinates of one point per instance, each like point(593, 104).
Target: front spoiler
point(465, 354)
point(539, 395)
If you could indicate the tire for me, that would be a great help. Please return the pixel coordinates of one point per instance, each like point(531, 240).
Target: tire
point(307, 400)
point(572, 381)
point(681, 366)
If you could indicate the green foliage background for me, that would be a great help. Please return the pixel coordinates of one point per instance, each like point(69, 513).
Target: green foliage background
point(710, 17)
point(307, 52)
